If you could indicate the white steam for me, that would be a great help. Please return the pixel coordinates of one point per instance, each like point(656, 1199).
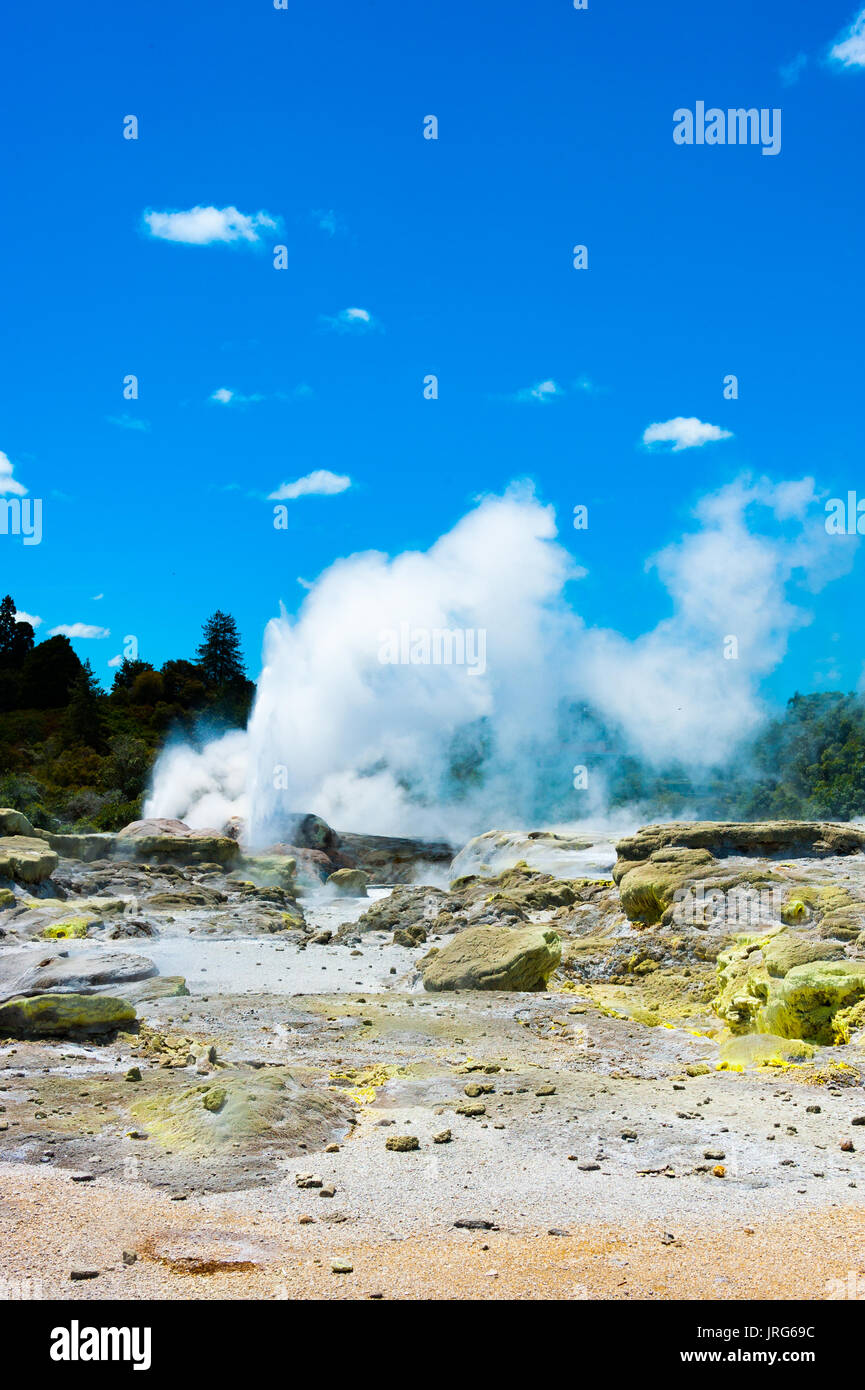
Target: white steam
point(372, 746)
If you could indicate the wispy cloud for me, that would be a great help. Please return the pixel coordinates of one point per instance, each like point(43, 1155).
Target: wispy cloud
point(206, 226)
point(320, 483)
point(31, 618)
point(79, 630)
point(792, 71)
point(542, 391)
point(683, 433)
point(849, 48)
point(349, 321)
point(327, 221)
point(97, 597)
point(115, 660)
point(129, 422)
point(223, 396)
point(7, 482)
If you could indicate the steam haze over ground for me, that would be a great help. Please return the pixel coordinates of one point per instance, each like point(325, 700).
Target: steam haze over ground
point(437, 751)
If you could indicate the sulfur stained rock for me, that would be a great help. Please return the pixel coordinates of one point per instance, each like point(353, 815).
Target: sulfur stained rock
point(493, 958)
point(50, 1015)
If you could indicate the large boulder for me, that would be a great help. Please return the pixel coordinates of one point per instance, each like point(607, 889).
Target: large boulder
point(61, 1015)
point(392, 858)
point(493, 958)
point(85, 971)
point(26, 859)
point(173, 841)
point(348, 883)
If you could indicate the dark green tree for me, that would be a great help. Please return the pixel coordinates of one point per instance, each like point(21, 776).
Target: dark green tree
point(83, 719)
point(16, 639)
point(219, 654)
point(48, 673)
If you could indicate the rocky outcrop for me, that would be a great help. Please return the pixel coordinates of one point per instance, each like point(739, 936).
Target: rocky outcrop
point(153, 841)
point(493, 958)
point(26, 859)
point(86, 971)
point(63, 1015)
point(392, 859)
point(248, 1108)
point(752, 839)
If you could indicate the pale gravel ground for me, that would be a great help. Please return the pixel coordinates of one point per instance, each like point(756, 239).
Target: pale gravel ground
point(400, 1208)
point(50, 1227)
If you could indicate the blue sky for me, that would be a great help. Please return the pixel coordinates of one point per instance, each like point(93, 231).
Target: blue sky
point(555, 128)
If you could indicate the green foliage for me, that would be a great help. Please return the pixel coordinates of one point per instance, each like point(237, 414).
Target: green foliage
point(75, 758)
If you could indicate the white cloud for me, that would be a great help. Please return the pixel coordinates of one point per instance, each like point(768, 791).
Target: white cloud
point(22, 617)
point(543, 391)
point(684, 433)
point(97, 597)
point(849, 49)
point(320, 483)
point(129, 422)
point(350, 321)
point(116, 660)
point(204, 226)
point(79, 630)
point(223, 396)
point(7, 482)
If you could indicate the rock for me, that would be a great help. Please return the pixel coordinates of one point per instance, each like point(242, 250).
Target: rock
point(753, 839)
point(493, 958)
point(52, 1015)
point(16, 823)
point(475, 1223)
point(180, 900)
point(563, 856)
point(82, 973)
point(348, 883)
point(444, 1137)
point(392, 859)
point(342, 1267)
point(160, 840)
point(85, 848)
point(403, 908)
point(808, 1001)
point(402, 1143)
point(26, 859)
point(133, 1074)
point(410, 936)
point(253, 1109)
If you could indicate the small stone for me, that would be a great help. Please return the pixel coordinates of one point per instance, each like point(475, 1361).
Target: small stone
point(402, 1143)
point(719, 1170)
point(327, 1192)
point(588, 1167)
point(858, 1120)
point(546, 1090)
point(332, 1149)
point(129, 1257)
point(444, 1137)
point(84, 1274)
point(816, 1110)
point(475, 1223)
point(847, 1146)
point(133, 1074)
point(342, 1267)
point(305, 1220)
point(714, 1153)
